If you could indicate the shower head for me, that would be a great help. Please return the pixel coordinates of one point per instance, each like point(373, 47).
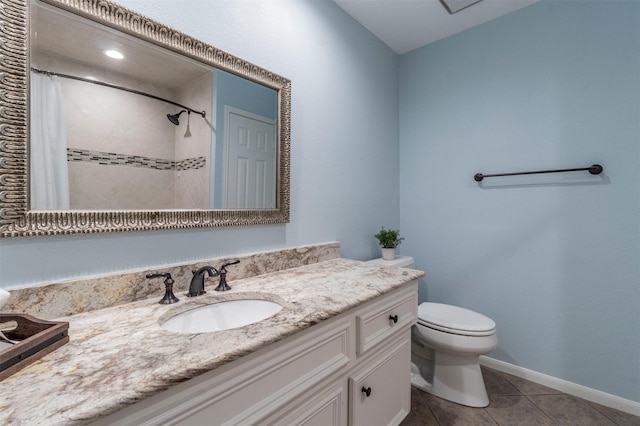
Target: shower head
point(174, 117)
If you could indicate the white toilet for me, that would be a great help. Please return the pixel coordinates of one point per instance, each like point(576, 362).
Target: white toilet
point(446, 344)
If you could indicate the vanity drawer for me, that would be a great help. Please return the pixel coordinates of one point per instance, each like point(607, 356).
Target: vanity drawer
point(384, 319)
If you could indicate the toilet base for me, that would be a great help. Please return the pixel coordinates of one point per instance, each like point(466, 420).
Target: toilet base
point(458, 378)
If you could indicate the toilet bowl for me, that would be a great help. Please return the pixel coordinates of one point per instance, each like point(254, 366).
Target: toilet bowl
point(446, 344)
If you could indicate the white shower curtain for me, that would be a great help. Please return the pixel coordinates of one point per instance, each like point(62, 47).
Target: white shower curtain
point(48, 145)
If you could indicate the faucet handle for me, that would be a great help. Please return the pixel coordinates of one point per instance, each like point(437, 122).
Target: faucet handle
point(224, 265)
point(169, 297)
point(223, 286)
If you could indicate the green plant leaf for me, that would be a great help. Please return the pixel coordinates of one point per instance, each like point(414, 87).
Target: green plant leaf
point(388, 238)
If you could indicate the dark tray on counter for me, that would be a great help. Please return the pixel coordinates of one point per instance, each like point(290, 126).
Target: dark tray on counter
point(36, 338)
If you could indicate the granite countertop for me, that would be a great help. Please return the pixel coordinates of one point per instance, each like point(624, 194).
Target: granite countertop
point(118, 356)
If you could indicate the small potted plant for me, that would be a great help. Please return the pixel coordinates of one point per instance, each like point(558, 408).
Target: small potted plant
point(389, 240)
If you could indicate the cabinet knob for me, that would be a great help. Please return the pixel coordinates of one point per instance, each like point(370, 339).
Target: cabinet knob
point(366, 391)
point(394, 318)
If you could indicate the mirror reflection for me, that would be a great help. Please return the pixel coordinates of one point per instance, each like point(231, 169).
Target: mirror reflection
point(117, 123)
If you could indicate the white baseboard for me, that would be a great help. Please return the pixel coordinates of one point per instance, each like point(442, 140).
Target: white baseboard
point(602, 398)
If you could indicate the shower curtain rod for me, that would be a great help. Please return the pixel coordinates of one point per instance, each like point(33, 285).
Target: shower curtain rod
point(113, 86)
point(595, 169)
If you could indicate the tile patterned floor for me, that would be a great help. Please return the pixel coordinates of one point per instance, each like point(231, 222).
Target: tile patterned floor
point(514, 402)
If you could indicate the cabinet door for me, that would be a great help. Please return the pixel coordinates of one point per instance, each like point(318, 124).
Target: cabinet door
point(381, 393)
point(324, 407)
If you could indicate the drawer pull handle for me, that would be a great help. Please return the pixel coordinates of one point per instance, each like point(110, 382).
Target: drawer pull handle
point(394, 318)
point(366, 391)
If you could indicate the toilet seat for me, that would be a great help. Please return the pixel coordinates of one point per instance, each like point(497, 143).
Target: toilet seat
point(454, 320)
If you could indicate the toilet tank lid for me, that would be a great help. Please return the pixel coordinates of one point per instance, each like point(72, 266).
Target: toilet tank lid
point(454, 317)
point(398, 262)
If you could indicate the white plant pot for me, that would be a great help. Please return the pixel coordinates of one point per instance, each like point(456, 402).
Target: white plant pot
point(388, 253)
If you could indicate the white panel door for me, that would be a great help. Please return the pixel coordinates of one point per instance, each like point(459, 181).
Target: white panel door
point(250, 177)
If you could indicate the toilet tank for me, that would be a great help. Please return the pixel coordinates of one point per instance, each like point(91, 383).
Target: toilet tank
point(398, 262)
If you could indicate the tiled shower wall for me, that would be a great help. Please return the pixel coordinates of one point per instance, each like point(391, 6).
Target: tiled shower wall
point(135, 125)
point(192, 184)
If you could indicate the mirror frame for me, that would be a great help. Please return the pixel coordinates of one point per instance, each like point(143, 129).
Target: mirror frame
point(17, 220)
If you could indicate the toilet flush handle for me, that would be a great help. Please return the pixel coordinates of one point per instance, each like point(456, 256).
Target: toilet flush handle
point(393, 318)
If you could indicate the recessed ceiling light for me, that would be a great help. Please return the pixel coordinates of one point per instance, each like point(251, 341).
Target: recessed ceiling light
point(454, 6)
point(114, 54)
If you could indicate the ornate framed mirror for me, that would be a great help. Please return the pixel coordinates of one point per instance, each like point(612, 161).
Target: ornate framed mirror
point(154, 142)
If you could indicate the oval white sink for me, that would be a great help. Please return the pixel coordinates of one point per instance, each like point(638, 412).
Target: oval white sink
point(222, 316)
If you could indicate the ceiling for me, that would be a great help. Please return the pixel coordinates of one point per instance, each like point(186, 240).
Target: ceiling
point(405, 25)
point(59, 38)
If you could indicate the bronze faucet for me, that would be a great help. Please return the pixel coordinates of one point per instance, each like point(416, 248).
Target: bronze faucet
point(196, 288)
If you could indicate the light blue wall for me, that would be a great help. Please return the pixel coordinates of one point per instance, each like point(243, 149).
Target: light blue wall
point(553, 259)
point(344, 138)
point(241, 93)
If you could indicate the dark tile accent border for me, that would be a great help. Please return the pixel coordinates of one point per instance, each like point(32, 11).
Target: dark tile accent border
point(113, 159)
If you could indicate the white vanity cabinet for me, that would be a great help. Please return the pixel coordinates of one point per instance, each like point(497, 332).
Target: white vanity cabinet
point(315, 377)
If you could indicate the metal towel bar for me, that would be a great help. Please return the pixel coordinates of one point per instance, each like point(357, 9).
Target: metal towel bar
point(595, 169)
